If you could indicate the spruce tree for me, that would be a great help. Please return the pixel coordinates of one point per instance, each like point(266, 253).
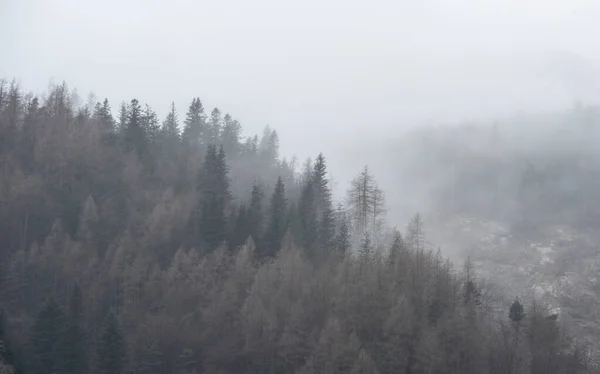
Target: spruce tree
point(214, 189)
point(123, 110)
point(230, 135)
point(214, 126)
point(111, 350)
point(134, 131)
point(277, 225)
point(366, 246)
point(170, 126)
point(194, 130)
point(240, 229)
point(150, 124)
point(104, 115)
point(342, 239)
point(255, 213)
point(307, 208)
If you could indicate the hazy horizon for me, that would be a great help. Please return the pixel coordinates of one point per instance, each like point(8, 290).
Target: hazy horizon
point(342, 69)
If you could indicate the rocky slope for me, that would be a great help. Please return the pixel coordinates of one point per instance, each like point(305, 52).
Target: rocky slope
point(557, 265)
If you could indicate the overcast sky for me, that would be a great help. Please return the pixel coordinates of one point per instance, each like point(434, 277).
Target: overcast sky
point(343, 69)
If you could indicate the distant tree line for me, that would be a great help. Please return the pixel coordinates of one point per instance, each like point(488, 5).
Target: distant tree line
point(135, 245)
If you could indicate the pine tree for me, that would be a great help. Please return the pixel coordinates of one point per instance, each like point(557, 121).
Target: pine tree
point(45, 334)
point(320, 183)
point(324, 209)
point(214, 126)
point(255, 213)
point(240, 230)
point(135, 138)
point(366, 246)
point(327, 230)
point(342, 239)
point(150, 125)
point(194, 130)
point(123, 110)
point(111, 349)
point(103, 113)
point(170, 126)
point(214, 188)
point(307, 208)
point(277, 224)
point(230, 135)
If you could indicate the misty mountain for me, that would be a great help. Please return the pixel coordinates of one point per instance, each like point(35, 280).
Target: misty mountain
point(135, 244)
point(519, 195)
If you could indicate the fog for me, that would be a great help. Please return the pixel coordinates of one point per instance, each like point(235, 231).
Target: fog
point(481, 115)
point(334, 76)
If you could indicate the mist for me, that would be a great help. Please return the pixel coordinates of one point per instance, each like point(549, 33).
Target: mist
point(346, 70)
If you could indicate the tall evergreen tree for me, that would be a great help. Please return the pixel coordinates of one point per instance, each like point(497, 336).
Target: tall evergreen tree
point(366, 246)
point(170, 126)
point(214, 188)
point(214, 126)
point(150, 124)
point(240, 229)
point(111, 349)
point(194, 129)
point(134, 131)
point(277, 225)
point(230, 135)
point(255, 213)
point(342, 239)
point(123, 110)
point(103, 113)
point(309, 220)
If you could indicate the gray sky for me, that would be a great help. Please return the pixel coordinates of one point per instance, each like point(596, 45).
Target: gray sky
point(344, 69)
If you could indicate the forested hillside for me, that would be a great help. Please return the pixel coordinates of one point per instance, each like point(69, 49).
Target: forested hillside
point(134, 244)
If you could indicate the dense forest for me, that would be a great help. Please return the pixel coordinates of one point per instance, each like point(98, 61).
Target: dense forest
point(131, 244)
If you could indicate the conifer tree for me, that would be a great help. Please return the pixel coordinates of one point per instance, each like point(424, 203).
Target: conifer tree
point(214, 126)
point(342, 239)
point(111, 349)
point(123, 110)
point(240, 230)
point(194, 130)
point(103, 113)
point(366, 246)
point(230, 135)
point(307, 208)
point(277, 224)
point(134, 131)
point(255, 213)
point(170, 126)
point(214, 187)
point(150, 124)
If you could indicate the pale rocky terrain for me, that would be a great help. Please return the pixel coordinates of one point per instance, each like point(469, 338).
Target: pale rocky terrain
point(558, 266)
